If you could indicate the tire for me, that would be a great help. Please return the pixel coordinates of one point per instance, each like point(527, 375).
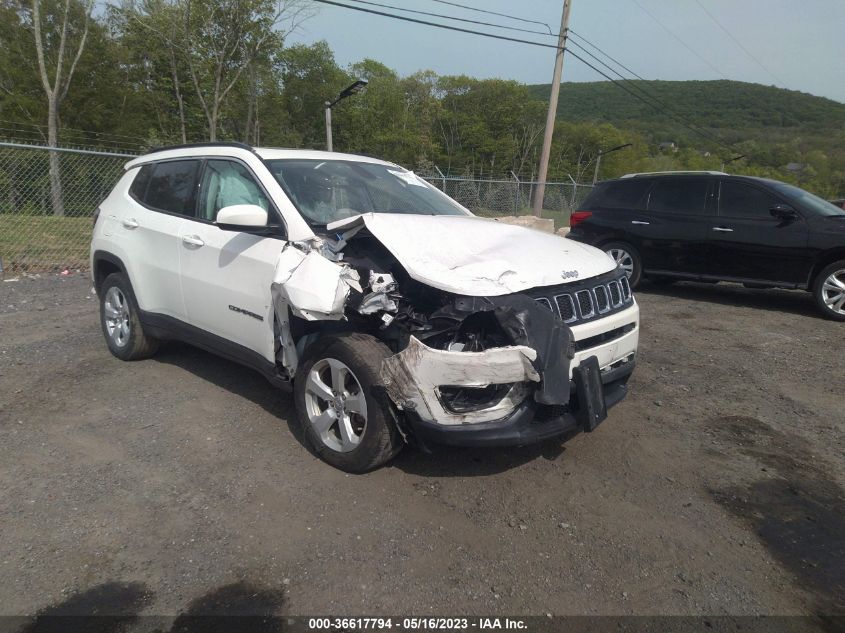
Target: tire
point(364, 436)
point(628, 258)
point(829, 291)
point(125, 337)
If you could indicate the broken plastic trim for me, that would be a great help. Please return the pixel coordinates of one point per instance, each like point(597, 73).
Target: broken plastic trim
point(412, 377)
point(310, 286)
point(525, 322)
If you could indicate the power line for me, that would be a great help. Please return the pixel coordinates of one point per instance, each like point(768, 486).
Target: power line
point(501, 15)
point(618, 63)
point(435, 24)
point(520, 41)
point(682, 42)
point(108, 135)
point(738, 43)
point(449, 17)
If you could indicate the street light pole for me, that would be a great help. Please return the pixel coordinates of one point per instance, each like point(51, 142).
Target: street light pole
point(550, 116)
point(598, 159)
point(329, 126)
point(350, 90)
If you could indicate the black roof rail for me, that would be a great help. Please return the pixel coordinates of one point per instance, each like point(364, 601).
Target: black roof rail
point(206, 144)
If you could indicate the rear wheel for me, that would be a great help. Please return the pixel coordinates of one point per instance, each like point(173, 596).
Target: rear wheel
point(122, 329)
point(829, 291)
point(343, 413)
point(627, 258)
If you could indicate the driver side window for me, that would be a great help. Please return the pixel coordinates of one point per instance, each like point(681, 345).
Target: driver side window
point(226, 183)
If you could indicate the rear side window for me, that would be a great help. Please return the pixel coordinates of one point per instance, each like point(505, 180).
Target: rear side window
point(678, 195)
point(138, 189)
point(738, 200)
point(619, 194)
point(173, 187)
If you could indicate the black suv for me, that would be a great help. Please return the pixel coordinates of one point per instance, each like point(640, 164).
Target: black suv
point(710, 226)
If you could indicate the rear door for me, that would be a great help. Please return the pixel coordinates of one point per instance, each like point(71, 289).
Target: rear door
point(671, 231)
point(615, 206)
point(226, 275)
point(747, 242)
point(160, 198)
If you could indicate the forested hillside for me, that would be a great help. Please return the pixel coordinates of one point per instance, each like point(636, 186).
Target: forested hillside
point(723, 105)
point(153, 72)
point(773, 127)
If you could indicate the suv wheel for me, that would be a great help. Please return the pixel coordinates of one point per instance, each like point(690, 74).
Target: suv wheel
point(829, 291)
point(627, 258)
point(344, 415)
point(119, 318)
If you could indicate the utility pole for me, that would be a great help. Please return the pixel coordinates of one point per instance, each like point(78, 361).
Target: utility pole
point(550, 118)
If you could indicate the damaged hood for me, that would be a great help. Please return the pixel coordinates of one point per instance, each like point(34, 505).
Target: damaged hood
point(474, 256)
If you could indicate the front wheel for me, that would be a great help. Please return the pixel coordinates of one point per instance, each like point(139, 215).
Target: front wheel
point(343, 412)
point(627, 258)
point(829, 291)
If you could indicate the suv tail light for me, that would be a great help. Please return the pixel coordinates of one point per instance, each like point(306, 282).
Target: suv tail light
point(96, 216)
point(577, 217)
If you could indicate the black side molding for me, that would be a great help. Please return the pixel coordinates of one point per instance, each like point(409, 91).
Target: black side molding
point(168, 328)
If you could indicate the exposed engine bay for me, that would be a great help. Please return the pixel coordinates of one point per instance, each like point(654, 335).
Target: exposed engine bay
point(458, 359)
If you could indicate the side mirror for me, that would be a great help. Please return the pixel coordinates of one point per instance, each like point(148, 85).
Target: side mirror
point(242, 217)
point(784, 212)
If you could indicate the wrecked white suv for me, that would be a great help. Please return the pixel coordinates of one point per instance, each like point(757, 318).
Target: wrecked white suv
point(394, 314)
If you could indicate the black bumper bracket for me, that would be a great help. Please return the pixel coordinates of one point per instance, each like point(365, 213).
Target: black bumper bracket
point(592, 408)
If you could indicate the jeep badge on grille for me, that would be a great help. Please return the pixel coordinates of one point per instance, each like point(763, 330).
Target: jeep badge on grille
point(569, 274)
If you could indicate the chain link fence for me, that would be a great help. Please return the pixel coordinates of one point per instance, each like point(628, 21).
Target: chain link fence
point(37, 235)
point(499, 198)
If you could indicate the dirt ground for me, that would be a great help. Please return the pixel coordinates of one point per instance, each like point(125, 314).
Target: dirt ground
point(181, 484)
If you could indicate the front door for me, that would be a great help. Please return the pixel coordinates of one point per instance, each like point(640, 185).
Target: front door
point(226, 275)
point(747, 242)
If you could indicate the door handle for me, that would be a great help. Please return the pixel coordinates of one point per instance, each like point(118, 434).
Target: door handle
point(130, 223)
point(193, 240)
point(639, 222)
point(723, 229)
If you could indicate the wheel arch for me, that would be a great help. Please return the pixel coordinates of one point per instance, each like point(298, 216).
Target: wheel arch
point(823, 260)
point(105, 264)
point(614, 237)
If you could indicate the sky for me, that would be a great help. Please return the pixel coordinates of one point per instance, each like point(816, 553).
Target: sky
point(794, 44)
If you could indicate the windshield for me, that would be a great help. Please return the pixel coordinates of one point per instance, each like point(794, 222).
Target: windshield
point(329, 190)
point(808, 200)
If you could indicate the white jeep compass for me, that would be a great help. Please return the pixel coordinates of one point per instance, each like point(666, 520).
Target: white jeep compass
point(393, 313)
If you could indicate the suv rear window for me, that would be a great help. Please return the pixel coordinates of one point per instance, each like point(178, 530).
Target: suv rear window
point(138, 189)
point(172, 186)
point(617, 194)
point(678, 195)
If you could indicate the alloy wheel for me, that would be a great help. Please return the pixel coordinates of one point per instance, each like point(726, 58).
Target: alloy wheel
point(335, 405)
point(116, 309)
point(623, 259)
point(833, 292)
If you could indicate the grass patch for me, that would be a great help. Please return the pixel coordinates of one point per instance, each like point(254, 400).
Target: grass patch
point(44, 243)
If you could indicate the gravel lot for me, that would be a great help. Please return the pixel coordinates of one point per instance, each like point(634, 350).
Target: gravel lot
point(181, 485)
